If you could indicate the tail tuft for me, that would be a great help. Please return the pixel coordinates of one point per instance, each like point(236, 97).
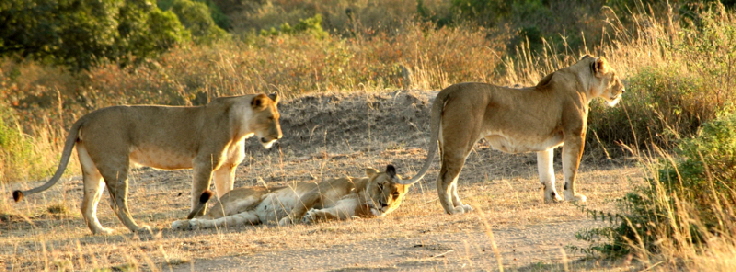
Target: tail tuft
point(17, 195)
point(205, 196)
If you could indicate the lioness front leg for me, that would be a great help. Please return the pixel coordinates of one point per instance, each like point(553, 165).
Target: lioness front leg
point(571, 154)
point(306, 202)
point(202, 177)
point(547, 176)
point(320, 215)
point(224, 179)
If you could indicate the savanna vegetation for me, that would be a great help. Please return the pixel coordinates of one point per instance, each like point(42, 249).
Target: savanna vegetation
point(62, 59)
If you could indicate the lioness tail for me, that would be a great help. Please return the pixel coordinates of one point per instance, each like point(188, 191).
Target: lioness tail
point(434, 128)
point(71, 140)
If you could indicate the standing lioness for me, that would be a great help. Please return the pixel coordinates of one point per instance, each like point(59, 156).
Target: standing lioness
point(535, 119)
point(207, 138)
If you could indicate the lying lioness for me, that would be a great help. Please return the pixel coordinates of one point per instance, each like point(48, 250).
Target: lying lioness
point(376, 195)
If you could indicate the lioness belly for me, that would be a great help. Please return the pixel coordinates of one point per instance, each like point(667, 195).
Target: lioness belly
point(524, 144)
point(160, 159)
point(276, 205)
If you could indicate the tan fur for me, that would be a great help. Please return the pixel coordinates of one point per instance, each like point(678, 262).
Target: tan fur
point(536, 119)
point(207, 138)
point(378, 194)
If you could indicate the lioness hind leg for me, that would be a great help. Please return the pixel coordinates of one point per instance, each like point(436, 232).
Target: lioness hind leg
point(547, 176)
point(447, 183)
point(93, 190)
point(117, 185)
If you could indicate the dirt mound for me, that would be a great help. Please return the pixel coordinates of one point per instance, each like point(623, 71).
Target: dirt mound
point(355, 121)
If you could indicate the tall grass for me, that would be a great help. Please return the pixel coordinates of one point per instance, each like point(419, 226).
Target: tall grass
point(679, 73)
point(685, 214)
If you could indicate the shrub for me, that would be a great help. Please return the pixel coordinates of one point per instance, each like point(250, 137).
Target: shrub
point(83, 34)
point(690, 199)
point(195, 16)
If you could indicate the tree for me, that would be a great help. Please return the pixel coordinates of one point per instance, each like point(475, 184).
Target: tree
point(196, 17)
point(81, 33)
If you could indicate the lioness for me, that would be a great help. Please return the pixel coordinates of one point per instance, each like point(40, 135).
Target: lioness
point(378, 194)
point(540, 118)
point(207, 138)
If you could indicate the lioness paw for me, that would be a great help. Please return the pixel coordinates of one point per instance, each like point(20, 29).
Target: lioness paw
point(307, 219)
point(184, 224)
point(376, 212)
point(464, 208)
point(144, 230)
point(285, 222)
point(579, 198)
point(552, 198)
point(103, 231)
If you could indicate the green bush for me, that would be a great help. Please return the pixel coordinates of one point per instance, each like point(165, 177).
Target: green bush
point(311, 26)
point(195, 16)
point(82, 34)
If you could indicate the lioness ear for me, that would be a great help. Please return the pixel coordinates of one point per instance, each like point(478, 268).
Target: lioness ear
point(390, 171)
point(274, 97)
point(259, 102)
point(600, 66)
point(370, 172)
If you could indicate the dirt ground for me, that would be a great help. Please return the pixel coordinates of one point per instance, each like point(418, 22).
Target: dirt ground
point(327, 136)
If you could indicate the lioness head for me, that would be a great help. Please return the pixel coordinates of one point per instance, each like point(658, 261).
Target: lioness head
point(266, 119)
point(384, 190)
point(608, 85)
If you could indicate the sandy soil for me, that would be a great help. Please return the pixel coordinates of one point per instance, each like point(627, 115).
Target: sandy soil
point(327, 136)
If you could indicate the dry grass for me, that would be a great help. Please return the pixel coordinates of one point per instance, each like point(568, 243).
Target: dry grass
point(46, 100)
point(416, 237)
point(331, 135)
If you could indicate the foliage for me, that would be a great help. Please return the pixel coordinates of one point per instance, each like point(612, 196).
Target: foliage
point(82, 34)
point(689, 199)
point(196, 18)
point(311, 26)
point(202, 18)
